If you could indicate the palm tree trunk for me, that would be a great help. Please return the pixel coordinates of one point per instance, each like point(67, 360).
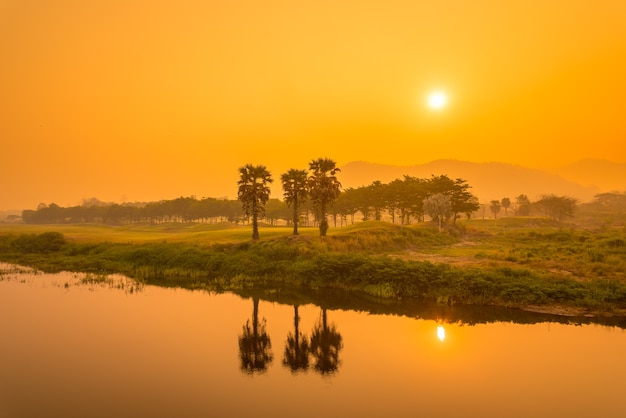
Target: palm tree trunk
point(295, 215)
point(323, 220)
point(255, 221)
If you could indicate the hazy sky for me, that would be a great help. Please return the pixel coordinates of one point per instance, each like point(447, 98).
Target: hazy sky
point(145, 100)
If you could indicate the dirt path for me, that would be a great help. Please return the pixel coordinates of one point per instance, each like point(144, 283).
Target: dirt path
point(464, 260)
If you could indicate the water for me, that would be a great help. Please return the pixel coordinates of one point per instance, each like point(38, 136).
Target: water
point(72, 349)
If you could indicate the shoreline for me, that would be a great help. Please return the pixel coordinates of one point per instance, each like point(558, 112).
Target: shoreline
point(342, 299)
point(534, 270)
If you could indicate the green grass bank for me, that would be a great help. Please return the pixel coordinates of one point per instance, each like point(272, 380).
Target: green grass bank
point(523, 263)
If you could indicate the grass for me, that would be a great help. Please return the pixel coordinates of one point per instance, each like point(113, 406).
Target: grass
point(520, 262)
point(142, 233)
point(365, 235)
point(579, 253)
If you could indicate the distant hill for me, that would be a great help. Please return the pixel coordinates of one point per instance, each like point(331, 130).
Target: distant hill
point(489, 181)
point(606, 175)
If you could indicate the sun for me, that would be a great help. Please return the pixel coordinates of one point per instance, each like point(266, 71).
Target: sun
point(437, 100)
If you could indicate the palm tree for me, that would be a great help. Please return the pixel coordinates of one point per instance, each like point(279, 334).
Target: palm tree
point(495, 208)
point(523, 205)
point(325, 346)
point(295, 192)
point(255, 346)
point(324, 188)
point(297, 348)
point(254, 192)
point(506, 204)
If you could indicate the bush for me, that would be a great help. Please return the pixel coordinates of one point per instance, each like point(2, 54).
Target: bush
point(615, 243)
point(40, 243)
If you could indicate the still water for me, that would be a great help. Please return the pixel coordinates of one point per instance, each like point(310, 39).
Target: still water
point(71, 347)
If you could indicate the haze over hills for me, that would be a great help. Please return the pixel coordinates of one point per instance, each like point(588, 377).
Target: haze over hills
point(607, 175)
point(494, 180)
point(581, 180)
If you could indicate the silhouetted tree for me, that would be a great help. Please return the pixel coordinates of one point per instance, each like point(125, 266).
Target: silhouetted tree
point(438, 207)
point(397, 200)
point(523, 205)
point(557, 207)
point(276, 209)
point(613, 201)
point(377, 198)
point(296, 355)
point(475, 204)
point(295, 192)
point(254, 192)
point(255, 346)
point(363, 201)
point(325, 346)
point(346, 205)
point(461, 200)
point(408, 196)
point(495, 208)
point(506, 204)
point(324, 188)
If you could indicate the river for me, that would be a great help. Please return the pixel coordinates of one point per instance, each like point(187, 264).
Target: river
point(74, 345)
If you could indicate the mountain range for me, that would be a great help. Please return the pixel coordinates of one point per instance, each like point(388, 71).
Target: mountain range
point(493, 181)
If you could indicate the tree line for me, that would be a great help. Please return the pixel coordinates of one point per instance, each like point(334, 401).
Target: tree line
point(315, 197)
point(441, 197)
point(182, 209)
point(555, 207)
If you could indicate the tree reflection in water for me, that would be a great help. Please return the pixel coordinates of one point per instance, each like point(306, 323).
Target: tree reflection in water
point(325, 346)
point(297, 347)
point(255, 347)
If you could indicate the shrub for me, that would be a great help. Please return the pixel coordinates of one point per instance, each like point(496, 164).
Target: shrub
point(595, 256)
point(40, 243)
point(615, 243)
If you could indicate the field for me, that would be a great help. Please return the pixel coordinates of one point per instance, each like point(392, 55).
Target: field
point(520, 262)
point(142, 233)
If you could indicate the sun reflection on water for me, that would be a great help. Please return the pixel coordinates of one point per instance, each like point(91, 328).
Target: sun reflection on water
point(441, 333)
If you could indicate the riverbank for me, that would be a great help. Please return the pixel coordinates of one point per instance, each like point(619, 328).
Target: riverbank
point(577, 272)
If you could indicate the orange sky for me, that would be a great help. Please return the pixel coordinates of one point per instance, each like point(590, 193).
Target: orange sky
point(145, 100)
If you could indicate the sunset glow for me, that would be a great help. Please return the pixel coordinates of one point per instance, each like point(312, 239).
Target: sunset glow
point(437, 100)
point(142, 100)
